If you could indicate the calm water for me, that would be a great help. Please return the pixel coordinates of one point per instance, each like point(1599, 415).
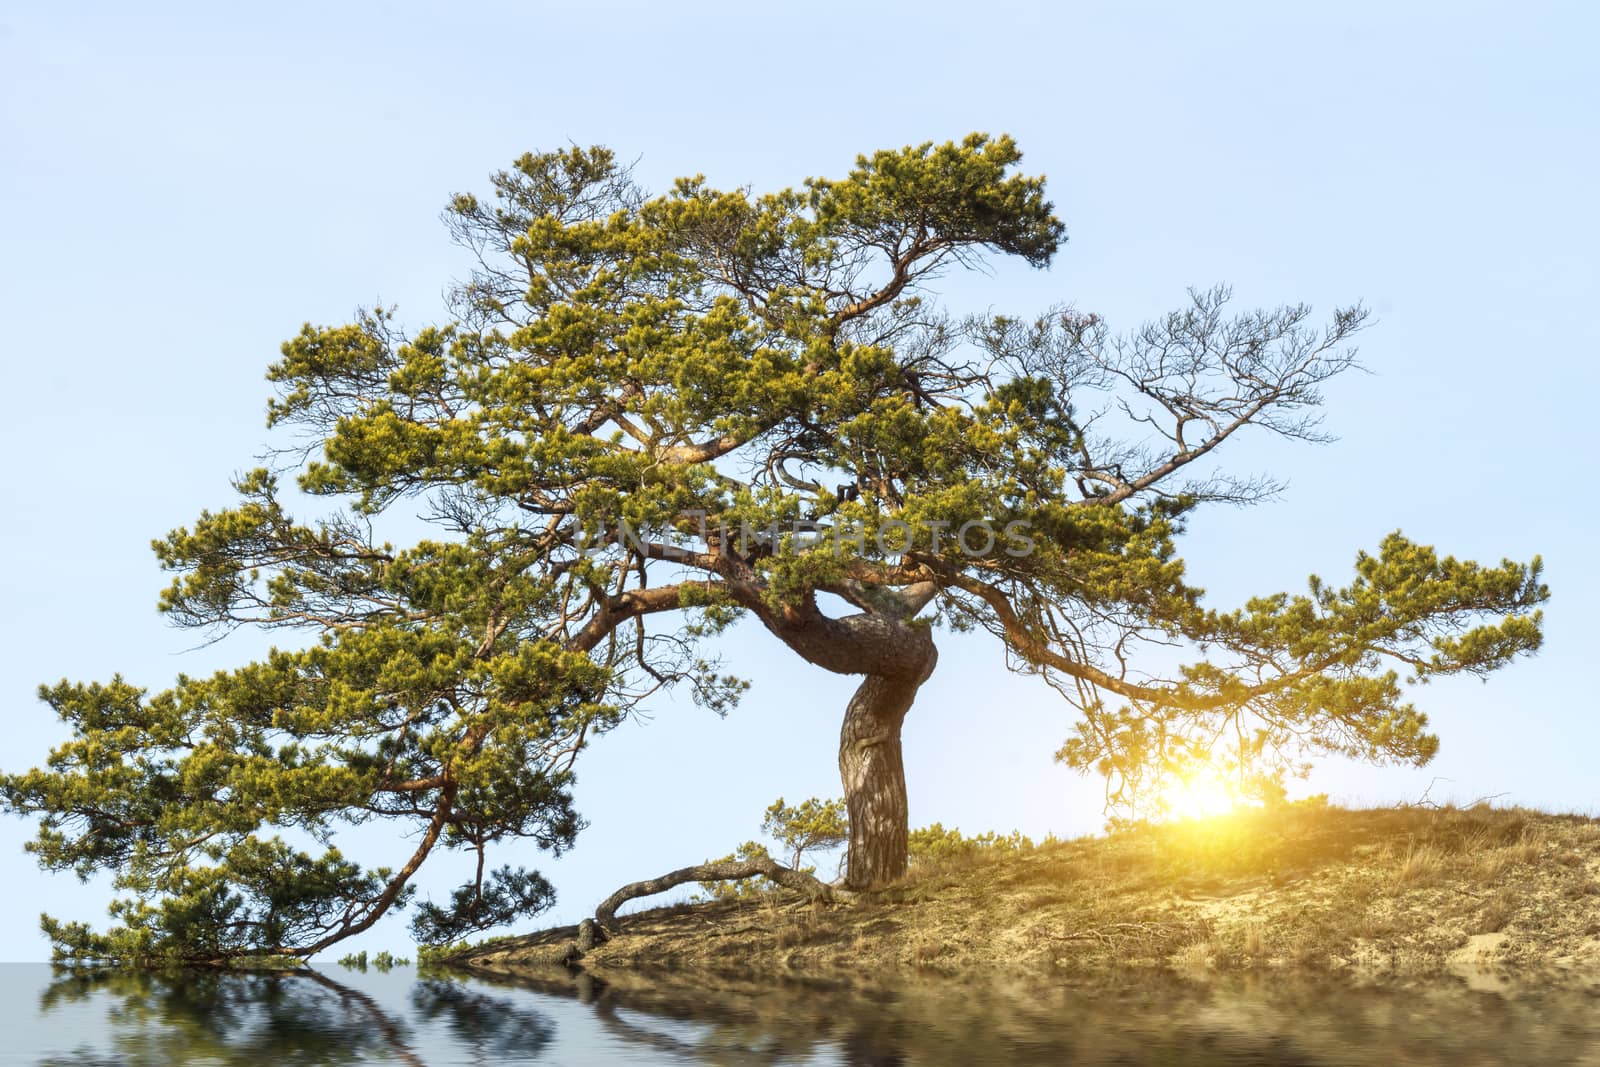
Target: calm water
point(335, 1016)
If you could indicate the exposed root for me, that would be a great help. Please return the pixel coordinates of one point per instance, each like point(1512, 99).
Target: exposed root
point(730, 870)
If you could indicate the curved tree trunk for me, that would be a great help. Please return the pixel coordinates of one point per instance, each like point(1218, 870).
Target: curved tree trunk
point(874, 776)
point(895, 652)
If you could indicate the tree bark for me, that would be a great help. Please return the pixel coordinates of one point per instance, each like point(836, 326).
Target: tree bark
point(730, 870)
point(896, 655)
point(872, 769)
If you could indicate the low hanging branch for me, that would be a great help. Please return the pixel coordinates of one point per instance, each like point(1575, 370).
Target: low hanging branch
point(724, 871)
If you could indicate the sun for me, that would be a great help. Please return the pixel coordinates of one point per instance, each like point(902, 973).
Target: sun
point(1202, 795)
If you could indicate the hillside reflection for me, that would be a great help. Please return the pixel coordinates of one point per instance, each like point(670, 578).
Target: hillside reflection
point(1134, 1019)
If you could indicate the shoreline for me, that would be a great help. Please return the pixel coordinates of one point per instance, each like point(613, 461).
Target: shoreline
point(1491, 897)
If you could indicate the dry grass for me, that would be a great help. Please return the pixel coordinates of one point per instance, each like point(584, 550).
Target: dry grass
point(1384, 891)
point(1496, 913)
point(1255, 939)
point(1373, 927)
point(1488, 867)
point(927, 952)
point(1197, 956)
point(1528, 846)
point(1423, 864)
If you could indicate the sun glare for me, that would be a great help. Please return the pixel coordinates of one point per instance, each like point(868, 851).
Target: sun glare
point(1203, 795)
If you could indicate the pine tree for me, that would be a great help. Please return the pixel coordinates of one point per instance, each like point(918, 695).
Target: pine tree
point(646, 417)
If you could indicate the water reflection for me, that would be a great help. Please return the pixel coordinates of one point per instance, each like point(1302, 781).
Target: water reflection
point(492, 1028)
point(301, 1016)
point(314, 1017)
point(228, 1018)
point(1144, 1019)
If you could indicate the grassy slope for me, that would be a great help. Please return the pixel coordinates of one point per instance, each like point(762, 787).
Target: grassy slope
point(1381, 892)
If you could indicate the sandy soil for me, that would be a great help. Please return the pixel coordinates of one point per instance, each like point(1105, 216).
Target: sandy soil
point(1490, 896)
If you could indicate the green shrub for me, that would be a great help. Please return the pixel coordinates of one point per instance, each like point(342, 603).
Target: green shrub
point(811, 826)
point(935, 844)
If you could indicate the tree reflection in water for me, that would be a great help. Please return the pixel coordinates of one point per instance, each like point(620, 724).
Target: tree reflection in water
point(231, 1017)
point(299, 1016)
point(493, 1027)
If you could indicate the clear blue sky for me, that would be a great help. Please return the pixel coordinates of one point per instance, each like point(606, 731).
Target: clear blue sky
point(183, 186)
